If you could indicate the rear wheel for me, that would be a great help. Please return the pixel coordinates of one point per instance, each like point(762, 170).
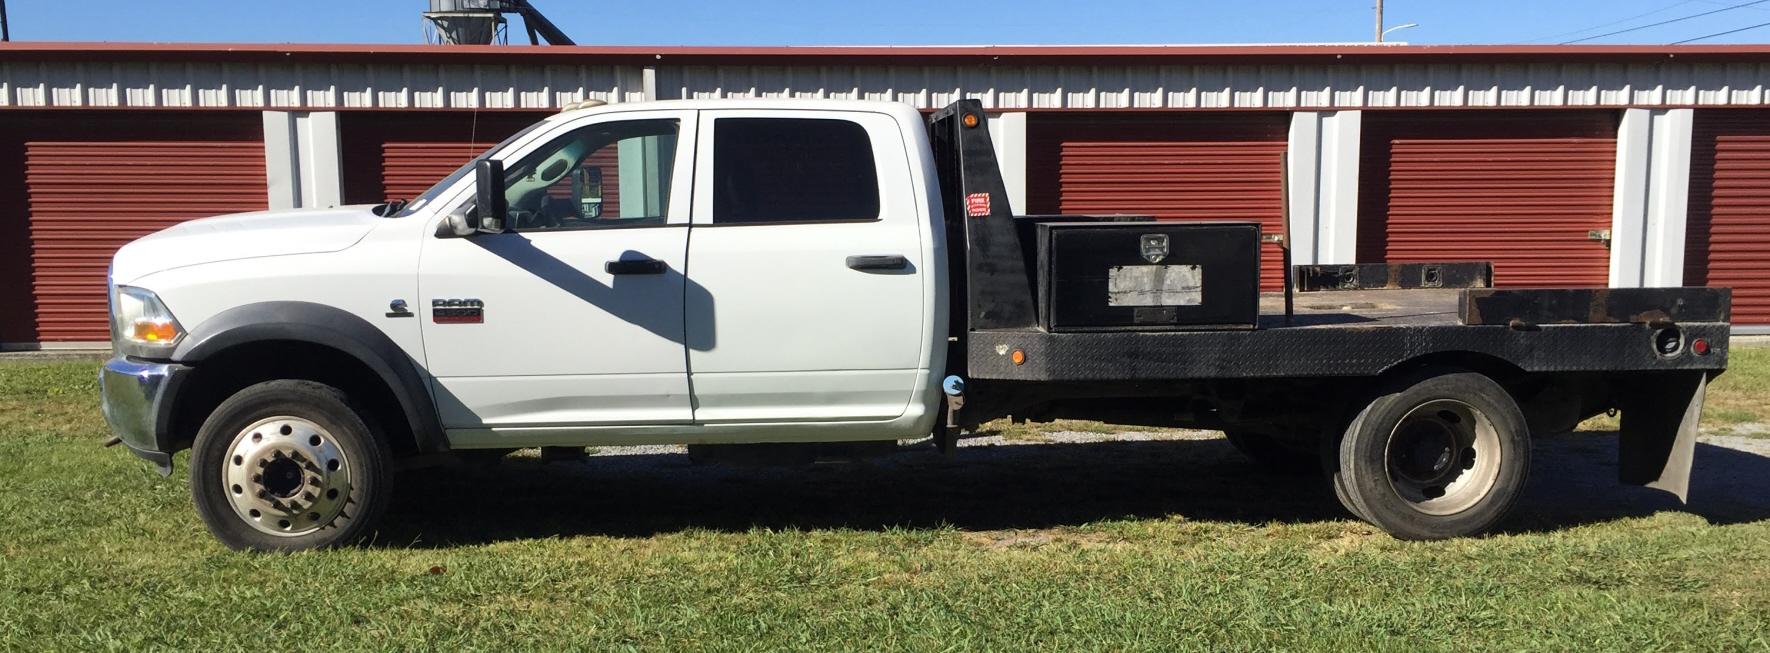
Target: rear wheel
point(1441, 454)
point(288, 465)
point(1339, 483)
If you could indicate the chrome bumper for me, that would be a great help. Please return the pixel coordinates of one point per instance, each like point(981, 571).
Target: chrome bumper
point(136, 400)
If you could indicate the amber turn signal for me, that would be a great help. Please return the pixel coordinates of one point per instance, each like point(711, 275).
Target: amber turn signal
point(970, 120)
point(1019, 357)
point(154, 331)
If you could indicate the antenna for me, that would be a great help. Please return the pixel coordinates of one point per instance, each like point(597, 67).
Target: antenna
point(5, 29)
point(482, 22)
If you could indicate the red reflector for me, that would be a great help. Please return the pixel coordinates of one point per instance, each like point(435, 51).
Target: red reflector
point(1700, 346)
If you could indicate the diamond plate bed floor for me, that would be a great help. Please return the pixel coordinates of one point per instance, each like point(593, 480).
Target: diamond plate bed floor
point(1363, 308)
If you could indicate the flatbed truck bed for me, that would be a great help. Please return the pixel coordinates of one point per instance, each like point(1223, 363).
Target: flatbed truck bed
point(1371, 332)
point(1415, 386)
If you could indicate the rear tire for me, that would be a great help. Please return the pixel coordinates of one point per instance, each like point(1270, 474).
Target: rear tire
point(289, 465)
point(1273, 453)
point(1345, 499)
point(1439, 454)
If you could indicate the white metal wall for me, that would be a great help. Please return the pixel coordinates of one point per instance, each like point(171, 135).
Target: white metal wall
point(332, 85)
point(1304, 86)
point(313, 85)
point(302, 159)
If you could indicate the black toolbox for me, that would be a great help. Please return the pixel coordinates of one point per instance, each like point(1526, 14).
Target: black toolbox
point(1109, 276)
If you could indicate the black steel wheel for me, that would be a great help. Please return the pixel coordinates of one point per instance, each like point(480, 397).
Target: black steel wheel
point(1438, 454)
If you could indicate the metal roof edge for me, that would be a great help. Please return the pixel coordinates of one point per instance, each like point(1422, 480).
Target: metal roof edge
point(953, 54)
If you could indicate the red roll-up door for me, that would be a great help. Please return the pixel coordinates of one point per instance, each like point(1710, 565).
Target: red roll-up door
point(1727, 237)
point(1523, 189)
point(94, 182)
point(1182, 166)
point(399, 155)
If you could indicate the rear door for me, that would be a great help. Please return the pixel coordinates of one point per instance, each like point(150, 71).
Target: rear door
point(805, 296)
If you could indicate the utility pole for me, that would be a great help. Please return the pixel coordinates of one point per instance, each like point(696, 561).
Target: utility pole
point(1379, 20)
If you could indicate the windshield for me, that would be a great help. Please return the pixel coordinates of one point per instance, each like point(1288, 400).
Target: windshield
point(429, 195)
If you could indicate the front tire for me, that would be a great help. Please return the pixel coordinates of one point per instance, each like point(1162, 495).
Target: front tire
point(289, 465)
point(1439, 454)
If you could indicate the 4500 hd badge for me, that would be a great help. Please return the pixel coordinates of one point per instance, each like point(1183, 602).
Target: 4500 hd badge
point(457, 311)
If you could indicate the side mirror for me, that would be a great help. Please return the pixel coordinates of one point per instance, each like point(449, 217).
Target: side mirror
point(489, 176)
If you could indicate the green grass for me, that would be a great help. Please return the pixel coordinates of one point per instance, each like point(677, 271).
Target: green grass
point(99, 553)
point(1742, 395)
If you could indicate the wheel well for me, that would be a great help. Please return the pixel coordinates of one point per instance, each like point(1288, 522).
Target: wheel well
point(222, 374)
point(1494, 367)
point(1553, 403)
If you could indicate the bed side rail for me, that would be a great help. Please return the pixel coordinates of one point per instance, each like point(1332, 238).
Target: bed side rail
point(1652, 306)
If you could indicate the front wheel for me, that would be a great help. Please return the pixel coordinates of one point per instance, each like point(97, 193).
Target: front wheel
point(1441, 454)
point(288, 465)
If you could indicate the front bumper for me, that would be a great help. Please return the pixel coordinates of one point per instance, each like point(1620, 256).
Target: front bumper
point(137, 402)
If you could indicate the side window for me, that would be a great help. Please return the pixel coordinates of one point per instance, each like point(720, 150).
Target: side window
point(614, 174)
point(792, 170)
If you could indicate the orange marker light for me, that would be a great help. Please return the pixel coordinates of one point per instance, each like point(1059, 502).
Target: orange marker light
point(154, 331)
point(1019, 357)
point(970, 120)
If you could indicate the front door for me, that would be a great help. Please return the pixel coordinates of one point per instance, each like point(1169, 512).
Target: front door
point(805, 298)
point(574, 315)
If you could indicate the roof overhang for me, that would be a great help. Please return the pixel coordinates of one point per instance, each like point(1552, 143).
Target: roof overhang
point(883, 55)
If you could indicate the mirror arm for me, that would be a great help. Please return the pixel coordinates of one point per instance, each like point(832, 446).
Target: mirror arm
point(457, 224)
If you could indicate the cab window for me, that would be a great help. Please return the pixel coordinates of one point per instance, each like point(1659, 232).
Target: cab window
point(772, 170)
point(614, 174)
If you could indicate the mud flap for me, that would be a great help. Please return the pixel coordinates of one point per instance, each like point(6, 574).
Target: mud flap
point(1659, 420)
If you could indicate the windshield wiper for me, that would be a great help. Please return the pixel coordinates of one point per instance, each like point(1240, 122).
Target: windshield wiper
point(390, 208)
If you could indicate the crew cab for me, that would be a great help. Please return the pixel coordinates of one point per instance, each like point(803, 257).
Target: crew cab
point(804, 274)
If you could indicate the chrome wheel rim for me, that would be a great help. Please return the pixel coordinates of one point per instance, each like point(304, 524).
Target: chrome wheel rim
point(286, 476)
point(1443, 457)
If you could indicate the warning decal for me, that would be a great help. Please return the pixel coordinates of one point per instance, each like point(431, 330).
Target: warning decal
point(977, 205)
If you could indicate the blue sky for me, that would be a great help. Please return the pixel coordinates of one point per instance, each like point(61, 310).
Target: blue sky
point(904, 22)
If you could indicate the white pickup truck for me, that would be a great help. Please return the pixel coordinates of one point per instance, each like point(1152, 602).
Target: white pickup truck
point(806, 272)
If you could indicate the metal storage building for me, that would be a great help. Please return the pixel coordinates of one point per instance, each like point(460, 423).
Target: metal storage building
point(1566, 165)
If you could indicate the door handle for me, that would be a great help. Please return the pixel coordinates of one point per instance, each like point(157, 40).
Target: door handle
point(887, 262)
point(635, 266)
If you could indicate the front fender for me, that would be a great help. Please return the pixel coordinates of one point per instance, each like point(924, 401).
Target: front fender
point(326, 326)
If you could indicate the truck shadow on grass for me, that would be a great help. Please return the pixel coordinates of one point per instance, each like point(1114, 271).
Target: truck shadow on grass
point(997, 487)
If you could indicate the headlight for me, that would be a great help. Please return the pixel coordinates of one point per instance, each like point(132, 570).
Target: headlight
point(142, 325)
